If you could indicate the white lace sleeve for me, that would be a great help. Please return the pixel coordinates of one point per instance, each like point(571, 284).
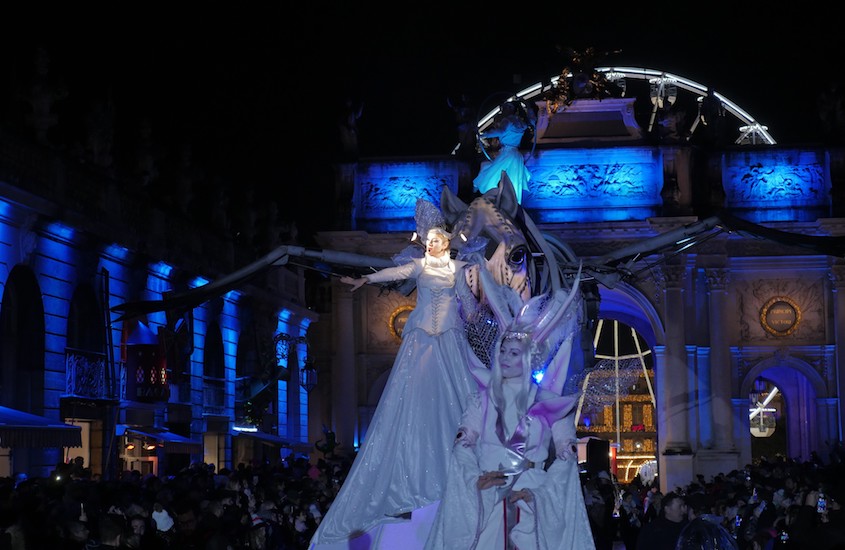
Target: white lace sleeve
point(398, 273)
point(471, 421)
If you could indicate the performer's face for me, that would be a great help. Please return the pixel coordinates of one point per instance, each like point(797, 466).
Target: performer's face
point(510, 357)
point(435, 244)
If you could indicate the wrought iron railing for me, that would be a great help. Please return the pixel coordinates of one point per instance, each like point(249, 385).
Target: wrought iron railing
point(85, 373)
point(213, 395)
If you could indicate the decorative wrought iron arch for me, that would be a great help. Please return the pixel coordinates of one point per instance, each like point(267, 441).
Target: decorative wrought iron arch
point(751, 130)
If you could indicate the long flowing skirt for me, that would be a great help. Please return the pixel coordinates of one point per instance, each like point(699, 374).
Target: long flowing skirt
point(403, 461)
point(509, 160)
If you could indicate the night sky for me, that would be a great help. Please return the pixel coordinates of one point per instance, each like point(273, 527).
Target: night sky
point(256, 91)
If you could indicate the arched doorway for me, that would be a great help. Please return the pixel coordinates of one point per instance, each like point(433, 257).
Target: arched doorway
point(767, 416)
point(796, 392)
point(22, 365)
point(617, 401)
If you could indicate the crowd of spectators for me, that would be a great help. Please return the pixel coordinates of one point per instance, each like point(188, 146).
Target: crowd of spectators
point(255, 506)
point(773, 504)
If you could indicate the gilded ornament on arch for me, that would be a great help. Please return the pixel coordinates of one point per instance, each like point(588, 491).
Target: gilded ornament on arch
point(780, 316)
point(397, 320)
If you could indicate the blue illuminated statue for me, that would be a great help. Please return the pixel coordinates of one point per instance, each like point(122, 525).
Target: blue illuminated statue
point(511, 127)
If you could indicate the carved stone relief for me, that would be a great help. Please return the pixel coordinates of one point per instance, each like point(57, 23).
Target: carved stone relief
point(397, 195)
point(808, 295)
point(379, 313)
point(760, 184)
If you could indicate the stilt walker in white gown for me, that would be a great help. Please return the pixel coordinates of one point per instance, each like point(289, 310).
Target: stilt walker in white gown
point(401, 466)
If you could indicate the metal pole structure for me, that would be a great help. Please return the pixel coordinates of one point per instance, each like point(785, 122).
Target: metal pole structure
point(113, 407)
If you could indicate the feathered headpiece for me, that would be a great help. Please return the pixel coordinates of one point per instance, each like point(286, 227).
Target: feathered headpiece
point(429, 217)
point(545, 321)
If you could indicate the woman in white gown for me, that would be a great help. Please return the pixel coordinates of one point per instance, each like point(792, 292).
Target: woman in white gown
point(501, 494)
point(401, 465)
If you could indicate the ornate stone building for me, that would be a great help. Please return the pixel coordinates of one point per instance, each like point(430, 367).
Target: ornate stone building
point(152, 386)
point(736, 326)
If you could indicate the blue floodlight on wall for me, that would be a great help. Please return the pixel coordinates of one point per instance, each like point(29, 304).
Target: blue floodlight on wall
point(386, 193)
point(158, 283)
point(60, 231)
point(116, 252)
point(285, 316)
point(5, 209)
point(771, 186)
point(198, 282)
point(161, 270)
point(595, 185)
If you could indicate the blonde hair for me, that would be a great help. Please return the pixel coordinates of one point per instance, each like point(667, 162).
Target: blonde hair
point(496, 378)
point(442, 232)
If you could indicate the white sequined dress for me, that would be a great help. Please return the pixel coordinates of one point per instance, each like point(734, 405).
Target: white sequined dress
point(402, 463)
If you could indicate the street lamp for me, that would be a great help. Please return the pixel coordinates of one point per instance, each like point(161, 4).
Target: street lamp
point(308, 375)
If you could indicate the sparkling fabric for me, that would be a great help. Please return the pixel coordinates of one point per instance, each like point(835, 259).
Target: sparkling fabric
point(402, 463)
point(554, 519)
point(509, 426)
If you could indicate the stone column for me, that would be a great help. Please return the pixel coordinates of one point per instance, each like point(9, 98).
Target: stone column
point(674, 401)
point(826, 414)
point(344, 389)
point(297, 354)
point(705, 399)
point(721, 373)
point(837, 277)
point(742, 427)
point(672, 375)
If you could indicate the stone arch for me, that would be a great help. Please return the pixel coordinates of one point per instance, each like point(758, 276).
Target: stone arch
point(22, 347)
point(247, 362)
point(22, 342)
point(805, 395)
point(628, 305)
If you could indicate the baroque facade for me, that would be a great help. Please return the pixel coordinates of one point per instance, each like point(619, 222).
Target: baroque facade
point(149, 390)
point(743, 329)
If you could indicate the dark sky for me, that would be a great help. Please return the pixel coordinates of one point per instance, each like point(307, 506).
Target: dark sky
point(256, 90)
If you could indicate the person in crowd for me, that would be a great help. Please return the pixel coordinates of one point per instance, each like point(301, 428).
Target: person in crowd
point(112, 535)
point(663, 532)
point(500, 491)
point(652, 503)
point(163, 521)
point(401, 466)
point(33, 513)
point(630, 520)
point(602, 510)
point(819, 523)
point(192, 533)
point(702, 534)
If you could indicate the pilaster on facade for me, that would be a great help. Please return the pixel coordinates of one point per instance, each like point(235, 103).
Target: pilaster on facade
point(837, 277)
point(344, 378)
point(673, 402)
point(717, 279)
point(674, 275)
point(703, 397)
point(722, 376)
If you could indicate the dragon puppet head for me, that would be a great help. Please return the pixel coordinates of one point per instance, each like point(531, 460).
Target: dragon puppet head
point(490, 220)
